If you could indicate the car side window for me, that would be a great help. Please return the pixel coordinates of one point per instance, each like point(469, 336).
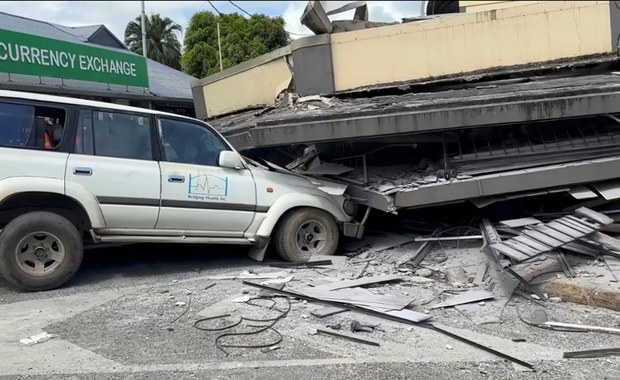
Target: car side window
point(114, 134)
point(190, 143)
point(31, 126)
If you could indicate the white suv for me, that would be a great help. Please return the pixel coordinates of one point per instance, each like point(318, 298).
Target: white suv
point(75, 171)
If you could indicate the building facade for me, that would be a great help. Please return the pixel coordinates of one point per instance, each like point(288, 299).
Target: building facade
point(86, 62)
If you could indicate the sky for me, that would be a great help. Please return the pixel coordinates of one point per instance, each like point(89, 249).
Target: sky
point(116, 14)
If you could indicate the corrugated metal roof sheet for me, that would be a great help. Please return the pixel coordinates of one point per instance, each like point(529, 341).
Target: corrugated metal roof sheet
point(164, 81)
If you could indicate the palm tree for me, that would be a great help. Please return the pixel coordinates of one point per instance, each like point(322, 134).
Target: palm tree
point(162, 44)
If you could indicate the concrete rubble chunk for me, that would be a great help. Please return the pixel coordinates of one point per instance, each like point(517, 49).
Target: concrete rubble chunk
point(423, 272)
point(36, 339)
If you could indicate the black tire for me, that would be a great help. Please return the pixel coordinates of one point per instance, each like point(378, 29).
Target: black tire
point(305, 222)
point(40, 237)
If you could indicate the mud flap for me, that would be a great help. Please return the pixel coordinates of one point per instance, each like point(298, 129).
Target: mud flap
point(258, 251)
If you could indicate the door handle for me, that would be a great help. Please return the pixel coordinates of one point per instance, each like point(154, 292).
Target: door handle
point(82, 171)
point(176, 178)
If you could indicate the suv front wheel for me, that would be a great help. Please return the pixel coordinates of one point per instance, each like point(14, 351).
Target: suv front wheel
point(305, 232)
point(40, 251)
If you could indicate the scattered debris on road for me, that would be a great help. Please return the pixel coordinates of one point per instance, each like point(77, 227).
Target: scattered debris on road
point(348, 337)
point(36, 339)
point(587, 354)
point(475, 269)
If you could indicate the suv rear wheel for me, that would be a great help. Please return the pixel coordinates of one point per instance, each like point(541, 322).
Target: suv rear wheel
point(40, 251)
point(306, 232)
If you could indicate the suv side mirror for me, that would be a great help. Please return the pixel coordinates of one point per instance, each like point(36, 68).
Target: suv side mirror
point(230, 159)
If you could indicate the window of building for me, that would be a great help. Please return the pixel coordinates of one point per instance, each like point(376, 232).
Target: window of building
point(31, 126)
point(190, 143)
point(113, 134)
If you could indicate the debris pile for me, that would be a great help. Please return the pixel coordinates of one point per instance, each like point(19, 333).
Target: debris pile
point(390, 283)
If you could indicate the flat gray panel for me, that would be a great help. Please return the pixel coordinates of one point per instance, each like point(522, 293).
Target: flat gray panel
point(522, 222)
point(609, 190)
point(582, 192)
point(553, 176)
point(312, 70)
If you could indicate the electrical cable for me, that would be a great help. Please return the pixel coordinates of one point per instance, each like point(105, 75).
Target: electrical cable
point(271, 322)
point(241, 9)
point(189, 303)
point(213, 6)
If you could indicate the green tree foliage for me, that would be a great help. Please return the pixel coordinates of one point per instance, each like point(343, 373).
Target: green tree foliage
point(242, 39)
point(162, 44)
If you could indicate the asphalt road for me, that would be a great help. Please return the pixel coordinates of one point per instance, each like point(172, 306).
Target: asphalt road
point(118, 319)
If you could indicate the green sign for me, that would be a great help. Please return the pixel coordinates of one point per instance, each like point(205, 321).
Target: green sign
point(22, 53)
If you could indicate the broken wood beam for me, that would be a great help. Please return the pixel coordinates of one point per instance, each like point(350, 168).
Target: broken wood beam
point(567, 268)
point(593, 215)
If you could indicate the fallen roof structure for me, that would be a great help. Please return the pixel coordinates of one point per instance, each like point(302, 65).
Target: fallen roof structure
point(482, 104)
point(530, 36)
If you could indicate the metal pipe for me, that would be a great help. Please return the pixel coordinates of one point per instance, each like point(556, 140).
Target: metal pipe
point(142, 17)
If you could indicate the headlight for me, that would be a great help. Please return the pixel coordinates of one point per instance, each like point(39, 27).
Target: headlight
point(349, 207)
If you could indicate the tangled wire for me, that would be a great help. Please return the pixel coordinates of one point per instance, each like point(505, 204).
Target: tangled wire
point(259, 328)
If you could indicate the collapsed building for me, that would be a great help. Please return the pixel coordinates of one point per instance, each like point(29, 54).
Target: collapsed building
point(492, 100)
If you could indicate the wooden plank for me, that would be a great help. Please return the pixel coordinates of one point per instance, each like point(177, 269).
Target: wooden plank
point(522, 222)
point(521, 248)
point(532, 243)
point(574, 225)
point(359, 282)
point(594, 226)
point(555, 234)
point(566, 265)
point(565, 230)
point(481, 271)
point(512, 253)
point(593, 215)
point(545, 239)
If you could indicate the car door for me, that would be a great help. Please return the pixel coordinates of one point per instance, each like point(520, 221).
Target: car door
point(196, 193)
point(113, 159)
